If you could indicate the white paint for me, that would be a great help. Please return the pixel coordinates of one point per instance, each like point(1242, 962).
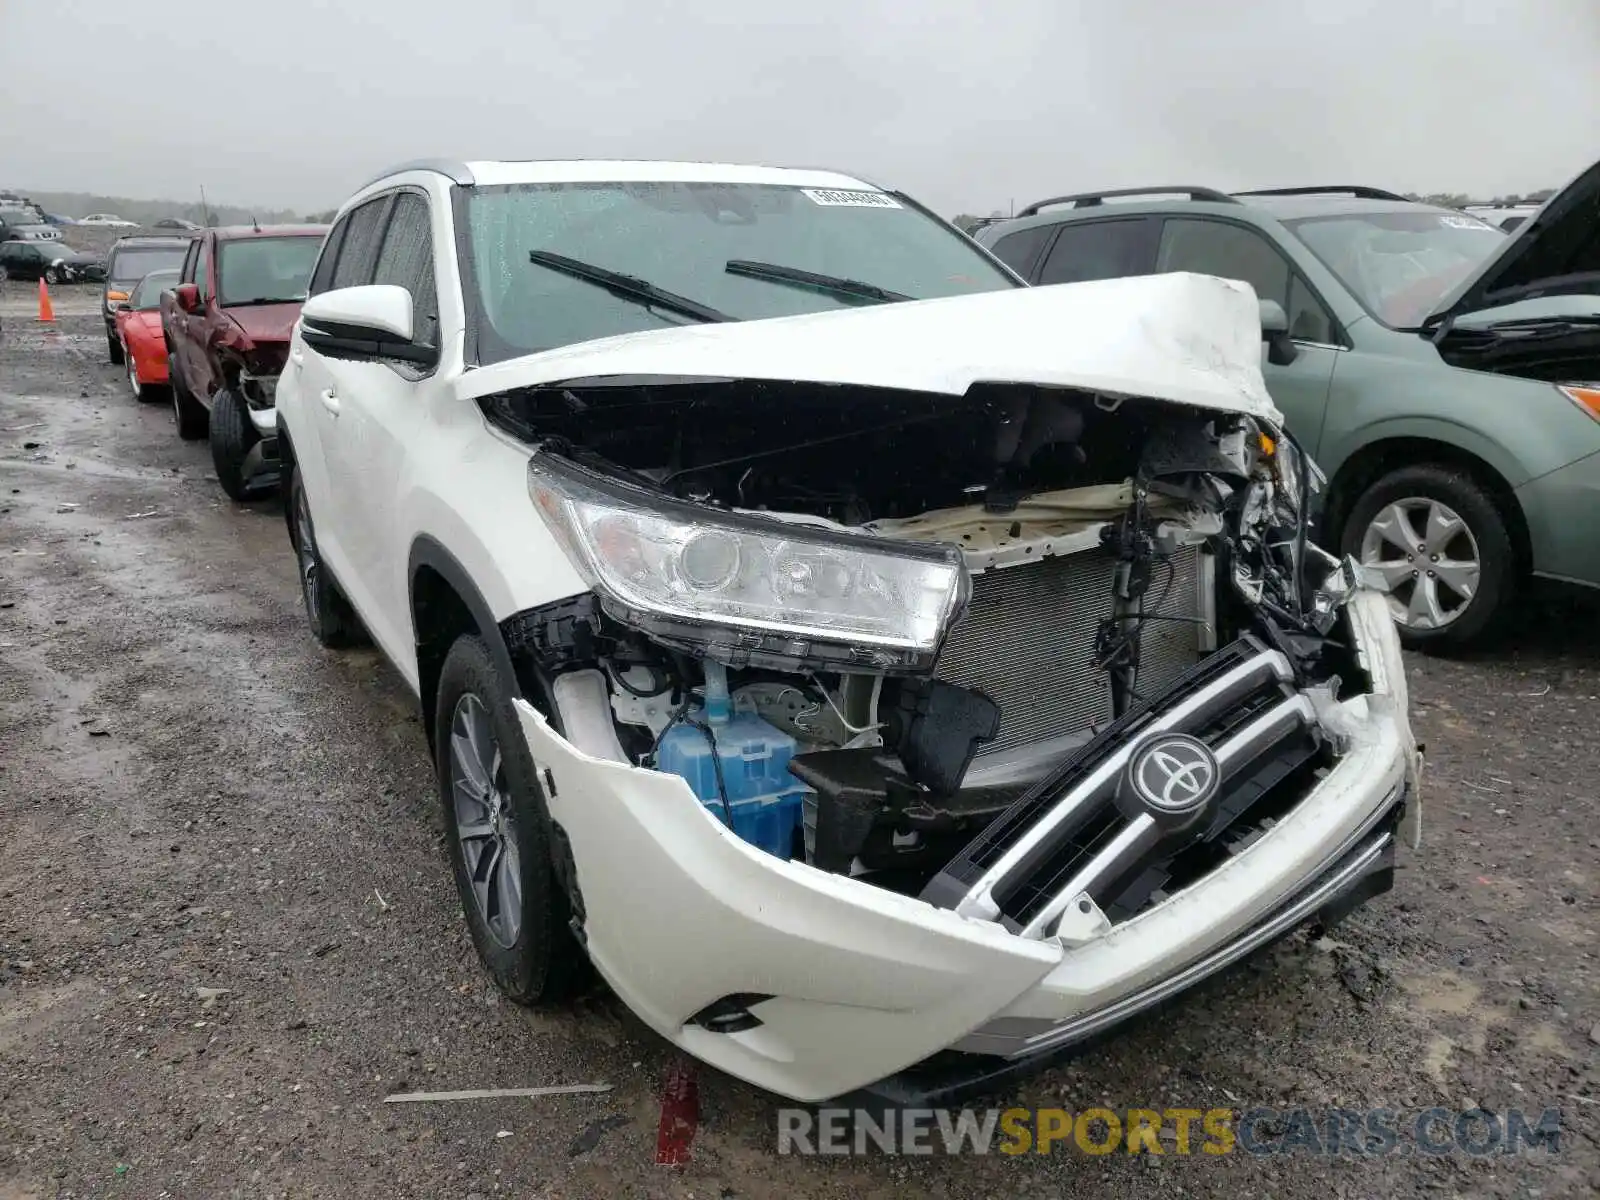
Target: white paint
point(1189, 339)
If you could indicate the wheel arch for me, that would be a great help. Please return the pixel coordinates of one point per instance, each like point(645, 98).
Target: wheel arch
point(444, 605)
point(287, 460)
point(1366, 465)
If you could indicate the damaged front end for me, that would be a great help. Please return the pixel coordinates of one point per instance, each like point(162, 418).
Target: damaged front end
point(1033, 668)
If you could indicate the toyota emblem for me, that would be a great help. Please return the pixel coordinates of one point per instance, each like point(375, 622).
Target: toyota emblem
point(1173, 773)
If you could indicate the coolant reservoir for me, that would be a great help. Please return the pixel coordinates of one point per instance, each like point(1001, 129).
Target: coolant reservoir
point(763, 799)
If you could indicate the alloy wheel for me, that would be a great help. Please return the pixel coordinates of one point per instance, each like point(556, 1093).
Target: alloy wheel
point(133, 371)
point(484, 821)
point(1427, 556)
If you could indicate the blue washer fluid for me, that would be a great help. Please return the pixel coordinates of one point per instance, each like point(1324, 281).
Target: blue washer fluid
point(766, 801)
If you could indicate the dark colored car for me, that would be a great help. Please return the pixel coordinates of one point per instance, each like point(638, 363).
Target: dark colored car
point(131, 259)
point(52, 261)
point(227, 325)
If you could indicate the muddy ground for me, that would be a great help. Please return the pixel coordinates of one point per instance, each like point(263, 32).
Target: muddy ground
point(194, 796)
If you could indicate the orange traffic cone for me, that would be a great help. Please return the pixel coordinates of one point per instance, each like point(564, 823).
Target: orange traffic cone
point(46, 311)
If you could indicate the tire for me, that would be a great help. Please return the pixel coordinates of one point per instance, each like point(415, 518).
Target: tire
point(52, 275)
point(333, 622)
point(191, 416)
point(1444, 516)
point(537, 961)
point(140, 392)
point(232, 436)
point(113, 349)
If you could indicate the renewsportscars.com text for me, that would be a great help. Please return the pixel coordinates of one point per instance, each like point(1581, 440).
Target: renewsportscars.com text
point(1182, 1131)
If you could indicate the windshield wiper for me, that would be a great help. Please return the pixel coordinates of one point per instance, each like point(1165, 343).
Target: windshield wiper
point(1542, 324)
point(834, 285)
point(628, 287)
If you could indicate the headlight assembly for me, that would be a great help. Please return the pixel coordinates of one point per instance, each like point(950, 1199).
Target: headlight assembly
point(757, 588)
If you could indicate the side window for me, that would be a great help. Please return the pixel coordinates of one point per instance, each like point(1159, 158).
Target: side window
point(1228, 251)
point(359, 252)
point(322, 278)
point(1308, 320)
point(407, 260)
point(1020, 250)
point(1086, 250)
point(202, 269)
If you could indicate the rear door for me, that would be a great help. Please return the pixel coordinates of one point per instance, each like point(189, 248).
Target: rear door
point(1234, 250)
point(1104, 248)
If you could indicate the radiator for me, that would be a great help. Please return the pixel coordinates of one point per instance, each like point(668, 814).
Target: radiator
point(1027, 641)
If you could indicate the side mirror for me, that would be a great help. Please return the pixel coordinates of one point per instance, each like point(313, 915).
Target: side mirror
point(188, 297)
point(122, 306)
point(370, 321)
point(1281, 350)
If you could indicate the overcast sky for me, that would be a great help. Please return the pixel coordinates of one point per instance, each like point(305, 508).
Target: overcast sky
point(966, 105)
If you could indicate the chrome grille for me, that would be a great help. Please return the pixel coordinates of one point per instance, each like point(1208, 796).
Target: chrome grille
point(1028, 639)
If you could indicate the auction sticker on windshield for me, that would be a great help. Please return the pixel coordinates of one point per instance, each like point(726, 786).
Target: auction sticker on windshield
point(1453, 222)
point(833, 198)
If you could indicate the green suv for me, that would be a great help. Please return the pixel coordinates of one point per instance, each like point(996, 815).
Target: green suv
point(1446, 376)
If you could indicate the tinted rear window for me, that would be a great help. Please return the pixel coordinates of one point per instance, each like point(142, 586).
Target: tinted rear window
point(1019, 250)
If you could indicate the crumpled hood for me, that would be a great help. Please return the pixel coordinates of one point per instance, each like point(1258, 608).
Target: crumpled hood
point(1190, 339)
point(265, 322)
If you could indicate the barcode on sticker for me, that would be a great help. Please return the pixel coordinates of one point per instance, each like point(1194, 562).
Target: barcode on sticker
point(835, 198)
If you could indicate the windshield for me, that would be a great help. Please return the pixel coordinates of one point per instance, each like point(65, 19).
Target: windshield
point(680, 237)
point(266, 270)
point(14, 215)
point(1400, 264)
point(135, 262)
point(147, 295)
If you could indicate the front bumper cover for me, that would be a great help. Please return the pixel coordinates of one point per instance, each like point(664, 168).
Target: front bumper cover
point(858, 983)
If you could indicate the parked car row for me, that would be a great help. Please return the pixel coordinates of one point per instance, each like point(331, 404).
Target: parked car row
point(219, 303)
point(954, 657)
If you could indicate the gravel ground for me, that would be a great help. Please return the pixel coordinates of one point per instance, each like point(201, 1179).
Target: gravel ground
point(228, 930)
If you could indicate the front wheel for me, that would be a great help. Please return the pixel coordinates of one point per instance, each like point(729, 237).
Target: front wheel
point(1441, 543)
point(333, 622)
point(52, 275)
point(500, 833)
point(232, 437)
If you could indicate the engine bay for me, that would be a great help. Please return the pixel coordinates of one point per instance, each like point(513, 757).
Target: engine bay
point(1109, 546)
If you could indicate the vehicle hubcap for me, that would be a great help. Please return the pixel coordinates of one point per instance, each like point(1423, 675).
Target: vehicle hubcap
point(306, 549)
point(1429, 559)
point(133, 371)
point(484, 821)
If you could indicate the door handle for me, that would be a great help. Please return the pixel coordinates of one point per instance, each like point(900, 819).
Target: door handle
point(330, 401)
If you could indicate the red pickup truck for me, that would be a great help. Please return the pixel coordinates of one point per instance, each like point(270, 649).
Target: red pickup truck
point(227, 326)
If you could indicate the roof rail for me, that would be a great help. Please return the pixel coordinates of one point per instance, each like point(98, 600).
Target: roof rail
point(1091, 199)
point(456, 172)
point(1357, 190)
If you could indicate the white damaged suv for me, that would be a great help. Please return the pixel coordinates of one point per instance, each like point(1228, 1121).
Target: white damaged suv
point(886, 675)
